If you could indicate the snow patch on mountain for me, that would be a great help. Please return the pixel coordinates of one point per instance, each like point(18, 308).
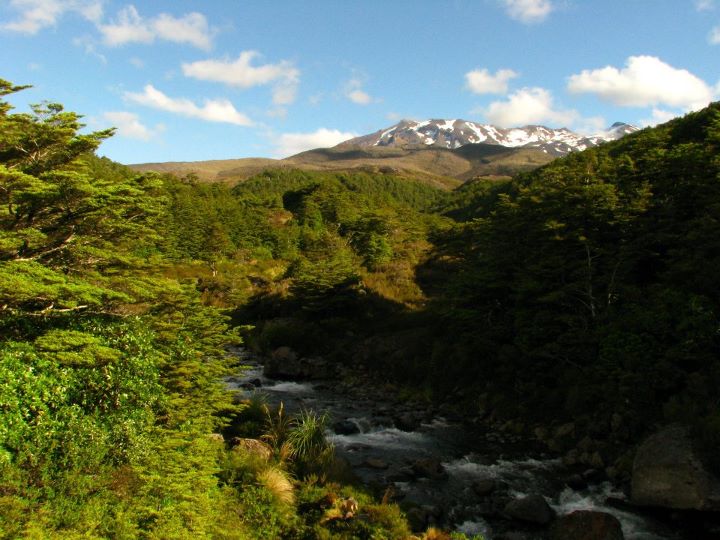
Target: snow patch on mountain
point(455, 133)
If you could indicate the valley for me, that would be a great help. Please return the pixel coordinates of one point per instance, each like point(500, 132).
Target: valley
point(515, 351)
point(335, 270)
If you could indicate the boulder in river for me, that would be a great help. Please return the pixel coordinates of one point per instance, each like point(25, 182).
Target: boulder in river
point(375, 463)
point(429, 468)
point(484, 487)
point(407, 422)
point(346, 427)
point(283, 363)
point(531, 509)
point(404, 474)
point(668, 473)
point(586, 525)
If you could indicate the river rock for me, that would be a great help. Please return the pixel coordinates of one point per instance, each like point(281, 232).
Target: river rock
point(407, 422)
point(283, 363)
point(575, 482)
point(357, 447)
point(532, 509)
point(668, 473)
point(429, 468)
point(586, 525)
point(346, 427)
point(563, 438)
point(251, 446)
point(404, 474)
point(375, 463)
point(484, 487)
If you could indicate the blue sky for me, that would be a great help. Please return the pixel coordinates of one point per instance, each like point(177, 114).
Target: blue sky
point(187, 80)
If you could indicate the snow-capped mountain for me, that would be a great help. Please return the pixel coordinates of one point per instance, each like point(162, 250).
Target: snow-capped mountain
point(453, 134)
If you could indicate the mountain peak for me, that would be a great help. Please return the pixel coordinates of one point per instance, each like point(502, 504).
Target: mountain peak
point(454, 133)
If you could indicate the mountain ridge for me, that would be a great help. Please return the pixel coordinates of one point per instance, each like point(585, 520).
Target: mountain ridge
point(455, 133)
point(440, 152)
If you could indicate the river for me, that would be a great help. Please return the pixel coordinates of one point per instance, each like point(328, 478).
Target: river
point(478, 473)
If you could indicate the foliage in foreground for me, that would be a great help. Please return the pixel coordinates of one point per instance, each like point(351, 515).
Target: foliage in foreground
point(112, 360)
point(110, 374)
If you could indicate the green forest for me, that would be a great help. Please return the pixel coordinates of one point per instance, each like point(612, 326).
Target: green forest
point(586, 290)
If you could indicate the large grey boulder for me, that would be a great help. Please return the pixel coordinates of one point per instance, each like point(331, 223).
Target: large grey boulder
point(668, 473)
point(586, 525)
point(531, 509)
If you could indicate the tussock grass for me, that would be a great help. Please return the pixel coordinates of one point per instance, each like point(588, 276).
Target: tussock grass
point(277, 482)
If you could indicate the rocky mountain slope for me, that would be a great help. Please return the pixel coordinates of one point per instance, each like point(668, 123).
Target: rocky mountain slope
point(441, 152)
point(452, 134)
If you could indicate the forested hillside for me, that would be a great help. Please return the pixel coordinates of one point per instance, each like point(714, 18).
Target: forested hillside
point(588, 289)
point(584, 291)
point(113, 350)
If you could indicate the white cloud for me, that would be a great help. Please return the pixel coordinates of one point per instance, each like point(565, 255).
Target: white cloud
point(137, 62)
point(128, 27)
point(87, 43)
point(284, 91)
point(290, 144)
point(355, 93)
point(645, 81)
point(242, 74)
point(212, 110)
point(128, 125)
point(704, 5)
point(359, 97)
point(131, 27)
point(34, 15)
point(659, 116)
point(480, 81)
point(191, 28)
point(528, 11)
point(714, 37)
point(529, 106)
